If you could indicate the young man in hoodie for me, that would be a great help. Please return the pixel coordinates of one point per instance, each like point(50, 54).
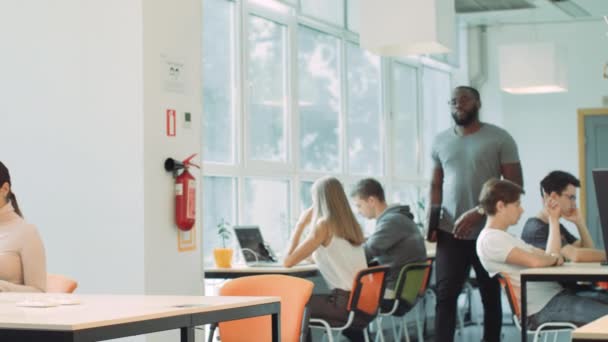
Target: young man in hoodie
point(396, 241)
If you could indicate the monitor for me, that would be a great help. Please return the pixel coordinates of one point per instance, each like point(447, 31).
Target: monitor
point(600, 179)
point(251, 241)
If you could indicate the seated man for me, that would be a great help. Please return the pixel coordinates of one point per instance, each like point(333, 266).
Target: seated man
point(396, 241)
point(561, 187)
point(501, 252)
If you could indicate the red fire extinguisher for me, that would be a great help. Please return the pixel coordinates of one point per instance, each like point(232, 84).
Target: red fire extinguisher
point(185, 192)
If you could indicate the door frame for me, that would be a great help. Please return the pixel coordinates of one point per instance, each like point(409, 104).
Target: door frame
point(582, 157)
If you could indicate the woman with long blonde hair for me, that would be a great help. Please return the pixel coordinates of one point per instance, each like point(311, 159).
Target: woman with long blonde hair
point(335, 242)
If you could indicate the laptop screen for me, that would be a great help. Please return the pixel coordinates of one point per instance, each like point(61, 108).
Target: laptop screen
point(600, 178)
point(251, 241)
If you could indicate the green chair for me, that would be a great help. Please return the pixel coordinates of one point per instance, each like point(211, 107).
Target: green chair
point(411, 285)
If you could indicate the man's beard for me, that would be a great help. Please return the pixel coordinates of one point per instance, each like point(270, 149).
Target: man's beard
point(467, 120)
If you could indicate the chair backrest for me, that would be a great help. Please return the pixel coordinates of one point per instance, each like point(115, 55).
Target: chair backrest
point(368, 289)
point(505, 282)
point(57, 283)
point(427, 277)
point(295, 294)
point(412, 281)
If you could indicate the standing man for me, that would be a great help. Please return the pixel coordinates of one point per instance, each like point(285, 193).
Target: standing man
point(464, 157)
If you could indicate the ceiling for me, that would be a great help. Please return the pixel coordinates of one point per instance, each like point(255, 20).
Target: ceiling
point(503, 12)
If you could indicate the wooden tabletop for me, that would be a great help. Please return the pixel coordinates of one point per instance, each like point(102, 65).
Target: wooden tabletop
point(264, 269)
point(596, 330)
point(569, 268)
point(104, 310)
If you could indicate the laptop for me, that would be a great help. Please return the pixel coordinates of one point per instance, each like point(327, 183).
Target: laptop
point(600, 178)
point(256, 251)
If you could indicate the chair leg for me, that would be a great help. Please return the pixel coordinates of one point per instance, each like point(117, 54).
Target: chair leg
point(419, 310)
point(406, 332)
point(394, 326)
point(366, 335)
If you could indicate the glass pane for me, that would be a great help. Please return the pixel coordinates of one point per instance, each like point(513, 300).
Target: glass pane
point(266, 205)
point(218, 81)
point(267, 90)
point(436, 90)
point(273, 5)
point(404, 125)
point(331, 11)
point(305, 196)
point(364, 112)
point(319, 96)
point(408, 194)
point(352, 8)
point(218, 204)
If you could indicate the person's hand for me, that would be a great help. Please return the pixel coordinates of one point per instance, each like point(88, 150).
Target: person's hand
point(553, 208)
point(574, 216)
point(560, 260)
point(305, 217)
point(466, 223)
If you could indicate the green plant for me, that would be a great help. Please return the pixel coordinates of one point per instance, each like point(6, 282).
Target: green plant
point(224, 232)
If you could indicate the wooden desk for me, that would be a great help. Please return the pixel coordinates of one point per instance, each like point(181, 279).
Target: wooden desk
point(594, 331)
point(237, 271)
point(568, 272)
point(103, 317)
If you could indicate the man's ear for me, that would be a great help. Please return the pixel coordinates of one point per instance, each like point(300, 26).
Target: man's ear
point(500, 205)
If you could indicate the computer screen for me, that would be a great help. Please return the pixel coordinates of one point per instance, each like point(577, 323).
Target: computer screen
point(600, 179)
point(251, 241)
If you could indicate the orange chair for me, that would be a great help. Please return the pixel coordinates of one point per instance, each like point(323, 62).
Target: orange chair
point(295, 294)
point(545, 328)
point(56, 283)
point(367, 291)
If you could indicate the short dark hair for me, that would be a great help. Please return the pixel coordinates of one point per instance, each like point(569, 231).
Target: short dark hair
point(496, 190)
point(557, 181)
point(474, 91)
point(368, 187)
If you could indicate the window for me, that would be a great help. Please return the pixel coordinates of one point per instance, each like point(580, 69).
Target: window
point(266, 204)
point(267, 78)
point(218, 81)
point(436, 111)
point(319, 100)
point(331, 11)
point(405, 153)
point(289, 97)
point(219, 201)
point(364, 112)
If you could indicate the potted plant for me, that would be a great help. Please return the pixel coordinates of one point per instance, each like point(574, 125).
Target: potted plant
point(223, 256)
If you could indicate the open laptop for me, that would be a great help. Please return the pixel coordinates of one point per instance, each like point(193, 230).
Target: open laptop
point(600, 178)
point(256, 251)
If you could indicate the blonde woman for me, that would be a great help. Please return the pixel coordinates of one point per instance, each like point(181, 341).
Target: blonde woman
point(335, 242)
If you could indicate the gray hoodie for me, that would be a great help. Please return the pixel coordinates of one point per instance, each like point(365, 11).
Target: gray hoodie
point(395, 242)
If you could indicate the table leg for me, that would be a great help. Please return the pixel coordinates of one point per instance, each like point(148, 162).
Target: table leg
point(524, 313)
point(276, 327)
point(187, 334)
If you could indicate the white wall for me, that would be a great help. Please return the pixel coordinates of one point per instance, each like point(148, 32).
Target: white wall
point(83, 132)
point(72, 133)
point(545, 126)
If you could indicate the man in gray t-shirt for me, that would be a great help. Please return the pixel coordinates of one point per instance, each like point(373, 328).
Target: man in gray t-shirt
point(464, 157)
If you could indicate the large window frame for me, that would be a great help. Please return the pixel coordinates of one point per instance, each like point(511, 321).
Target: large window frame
point(290, 170)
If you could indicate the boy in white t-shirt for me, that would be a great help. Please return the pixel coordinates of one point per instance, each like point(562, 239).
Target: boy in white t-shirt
point(501, 252)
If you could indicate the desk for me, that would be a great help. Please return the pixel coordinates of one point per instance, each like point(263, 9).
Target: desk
point(103, 317)
point(594, 331)
point(567, 272)
point(302, 271)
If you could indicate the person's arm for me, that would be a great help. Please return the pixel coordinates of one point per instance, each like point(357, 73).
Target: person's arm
point(554, 241)
point(512, 172)
point(585, 240)
point(33, 261)
point(521, 257)
point(436, 197)
point(576, 254)
point(302, 251)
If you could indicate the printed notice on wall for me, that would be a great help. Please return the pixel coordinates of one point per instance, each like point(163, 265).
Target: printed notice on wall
point(186, 240)
point(173, 74)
